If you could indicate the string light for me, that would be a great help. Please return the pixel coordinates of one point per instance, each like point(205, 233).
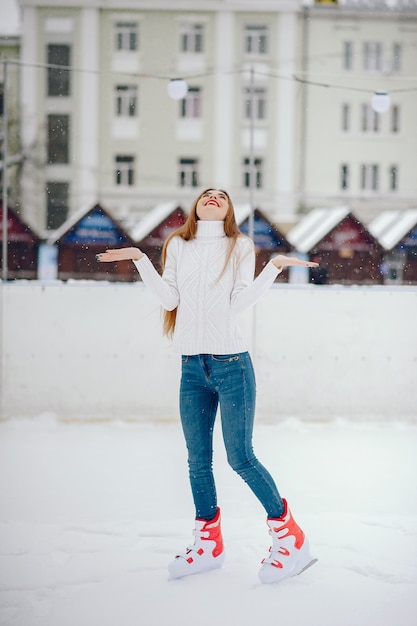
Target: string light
point(177, 88)
point(380, 102)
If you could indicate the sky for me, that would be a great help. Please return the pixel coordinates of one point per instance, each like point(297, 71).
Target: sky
point(9, 17)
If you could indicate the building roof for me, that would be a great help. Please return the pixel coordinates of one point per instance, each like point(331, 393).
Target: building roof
point(93, 224)
point(391, 226)
point(152, 220)
point(314, 226)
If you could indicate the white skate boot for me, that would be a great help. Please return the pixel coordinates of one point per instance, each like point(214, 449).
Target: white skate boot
point(206, 553)
point(289, 554)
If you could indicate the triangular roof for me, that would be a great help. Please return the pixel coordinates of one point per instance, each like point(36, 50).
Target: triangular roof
point(17, 229)
point(390, 227)
point(92, 225)
point(315, 226)
point(266, 235)
point(152, 220)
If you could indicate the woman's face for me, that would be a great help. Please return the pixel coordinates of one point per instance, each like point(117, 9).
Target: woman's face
point(212, 205)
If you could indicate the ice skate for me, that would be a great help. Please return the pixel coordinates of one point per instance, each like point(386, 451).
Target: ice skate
point(205, 554)
point(289, 554)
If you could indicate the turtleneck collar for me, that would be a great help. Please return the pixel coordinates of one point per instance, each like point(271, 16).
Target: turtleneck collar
point(210, 229)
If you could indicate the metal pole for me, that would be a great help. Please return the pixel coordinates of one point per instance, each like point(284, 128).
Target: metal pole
point(304, 104)
point(4, 173)
point(251, 155)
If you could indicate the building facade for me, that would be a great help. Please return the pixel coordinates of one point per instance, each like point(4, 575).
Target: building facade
point(350, 153)
point(107, 131)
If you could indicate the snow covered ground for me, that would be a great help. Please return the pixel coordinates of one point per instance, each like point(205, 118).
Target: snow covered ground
point(92, 512)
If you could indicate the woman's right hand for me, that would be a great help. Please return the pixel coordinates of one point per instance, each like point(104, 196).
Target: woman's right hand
point(119, 254)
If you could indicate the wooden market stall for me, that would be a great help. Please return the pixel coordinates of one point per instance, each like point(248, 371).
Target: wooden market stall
point(347, 252)
point(268, 239)
point(151, 232)
point(397, 233)
point(81, 237)
point(22, 247)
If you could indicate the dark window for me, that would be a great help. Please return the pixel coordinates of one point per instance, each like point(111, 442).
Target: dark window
point(58, 138)
point(56, 204)
point(393, 178)
point(126, 36)
point(188, 173)
point(125, 170)
point(59, 79)
point(344, 176)
point(257, 172)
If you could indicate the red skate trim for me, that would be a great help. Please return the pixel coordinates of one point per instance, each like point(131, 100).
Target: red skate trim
point(290, 526)
point(212, 527)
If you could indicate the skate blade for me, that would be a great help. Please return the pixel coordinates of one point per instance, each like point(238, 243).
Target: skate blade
point(309, 564)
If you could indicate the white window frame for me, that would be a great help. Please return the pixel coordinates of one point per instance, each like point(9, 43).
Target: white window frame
point(259, 103)
point(188, 172)
point(369, 176)
point(370, 119)
point(126, 36)
point(191, 38)
point(258, 163)
point(126, 100)
point(372, 56)
point(190, 106)
point(124, 170)
point(256, 40)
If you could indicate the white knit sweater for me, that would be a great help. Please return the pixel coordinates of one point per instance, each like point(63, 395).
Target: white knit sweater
point(208, 298)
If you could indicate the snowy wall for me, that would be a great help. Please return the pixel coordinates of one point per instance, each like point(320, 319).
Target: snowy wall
point(94, 350)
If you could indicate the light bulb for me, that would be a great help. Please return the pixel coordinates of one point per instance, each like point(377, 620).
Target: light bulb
point(380, 102)
point(177, 89)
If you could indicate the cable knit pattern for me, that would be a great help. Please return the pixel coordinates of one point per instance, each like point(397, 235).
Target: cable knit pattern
point(208, 296)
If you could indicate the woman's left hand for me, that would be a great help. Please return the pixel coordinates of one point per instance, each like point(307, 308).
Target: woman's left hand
point(281, 260)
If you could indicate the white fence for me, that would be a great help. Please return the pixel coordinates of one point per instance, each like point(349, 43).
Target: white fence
point(86, 350)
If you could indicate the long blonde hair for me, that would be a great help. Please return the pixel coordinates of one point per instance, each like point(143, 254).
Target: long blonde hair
point(188, 232)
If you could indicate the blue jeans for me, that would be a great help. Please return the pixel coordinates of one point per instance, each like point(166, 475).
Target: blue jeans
point(228, 380)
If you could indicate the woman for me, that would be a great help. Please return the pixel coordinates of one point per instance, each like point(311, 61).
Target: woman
point(207, 281)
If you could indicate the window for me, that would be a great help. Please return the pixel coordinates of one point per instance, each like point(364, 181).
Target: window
point(259, 103)
point(126, 100)
point(395, 118)
point(188, 173)
point(348, 55)
point(346, 115)
point(59, 79)
point(370, 119)
point(1, 100)
point(256, 40)
point(191, 38)
point(126, 36)
point(190, 106)
point(257, 172)
point(125, 170)
point(397, 57)
point(344, 176)
point(56, 204)
point(372, 56)
point(393, 178)
point(369, 177)
point(58, 138)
